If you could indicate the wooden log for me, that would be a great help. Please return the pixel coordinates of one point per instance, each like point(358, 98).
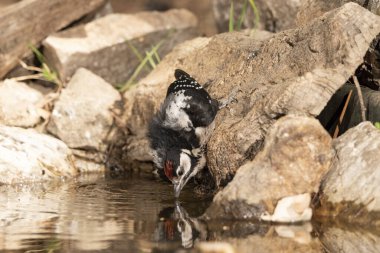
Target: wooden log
point(30, 21)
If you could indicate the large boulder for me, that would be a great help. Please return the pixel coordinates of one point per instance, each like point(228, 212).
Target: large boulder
point(82, 115)
point(295, 71)
point(277, 184)
point(20, 105)
point(26, 155)
point(352, 185)
point(102, 46)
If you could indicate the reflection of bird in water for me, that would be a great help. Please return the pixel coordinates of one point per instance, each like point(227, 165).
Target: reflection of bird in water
point(191, 229)
point(176, 224)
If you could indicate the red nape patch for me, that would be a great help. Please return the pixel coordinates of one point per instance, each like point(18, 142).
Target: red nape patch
point(168, 169)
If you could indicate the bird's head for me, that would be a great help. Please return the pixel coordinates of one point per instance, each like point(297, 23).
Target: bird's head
point(179, 167)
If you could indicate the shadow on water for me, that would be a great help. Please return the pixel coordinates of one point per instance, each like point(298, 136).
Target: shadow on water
point(139, 214)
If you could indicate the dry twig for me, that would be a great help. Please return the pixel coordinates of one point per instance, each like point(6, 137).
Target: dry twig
point(342, 114)
point(360, 95)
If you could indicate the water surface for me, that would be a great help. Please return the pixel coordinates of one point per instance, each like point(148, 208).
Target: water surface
point(92, 214)
point(138, 213)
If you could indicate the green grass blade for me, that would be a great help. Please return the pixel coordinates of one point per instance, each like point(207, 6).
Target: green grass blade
point(242, 15)
point(37, 53)
point(154, 51)
point(134, 50)
point(377, 125)
point(231, 21)
point(49, 75)
point(256, 13)
point(137, 53)
point(155, 54)
point(142, 64)
point(134, 75)
point(157, 46)
point(150, 59)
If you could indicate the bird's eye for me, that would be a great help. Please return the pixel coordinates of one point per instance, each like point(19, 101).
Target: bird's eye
point(180, 172)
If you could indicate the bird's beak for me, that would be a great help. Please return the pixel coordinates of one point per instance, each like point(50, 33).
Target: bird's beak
point(177, 188)
point(178, 185)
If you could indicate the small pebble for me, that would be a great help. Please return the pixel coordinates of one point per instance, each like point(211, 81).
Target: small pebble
point(226, 228)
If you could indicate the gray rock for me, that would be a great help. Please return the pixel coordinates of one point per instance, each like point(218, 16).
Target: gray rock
point(276, 185)
point(101, 46)
point(26, 155)
point(82, 116)
point(20, 105)
point(352, 184)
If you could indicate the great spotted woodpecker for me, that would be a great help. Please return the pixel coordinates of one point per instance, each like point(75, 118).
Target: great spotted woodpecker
point(180, 130)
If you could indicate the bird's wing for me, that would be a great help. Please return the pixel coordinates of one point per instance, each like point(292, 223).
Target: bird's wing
point(190, 97)
point(201, 109)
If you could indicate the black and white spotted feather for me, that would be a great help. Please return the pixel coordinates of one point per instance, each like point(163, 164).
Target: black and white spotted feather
point(200, 107)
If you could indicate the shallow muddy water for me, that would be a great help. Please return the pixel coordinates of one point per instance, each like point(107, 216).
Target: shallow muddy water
point(138, 213)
